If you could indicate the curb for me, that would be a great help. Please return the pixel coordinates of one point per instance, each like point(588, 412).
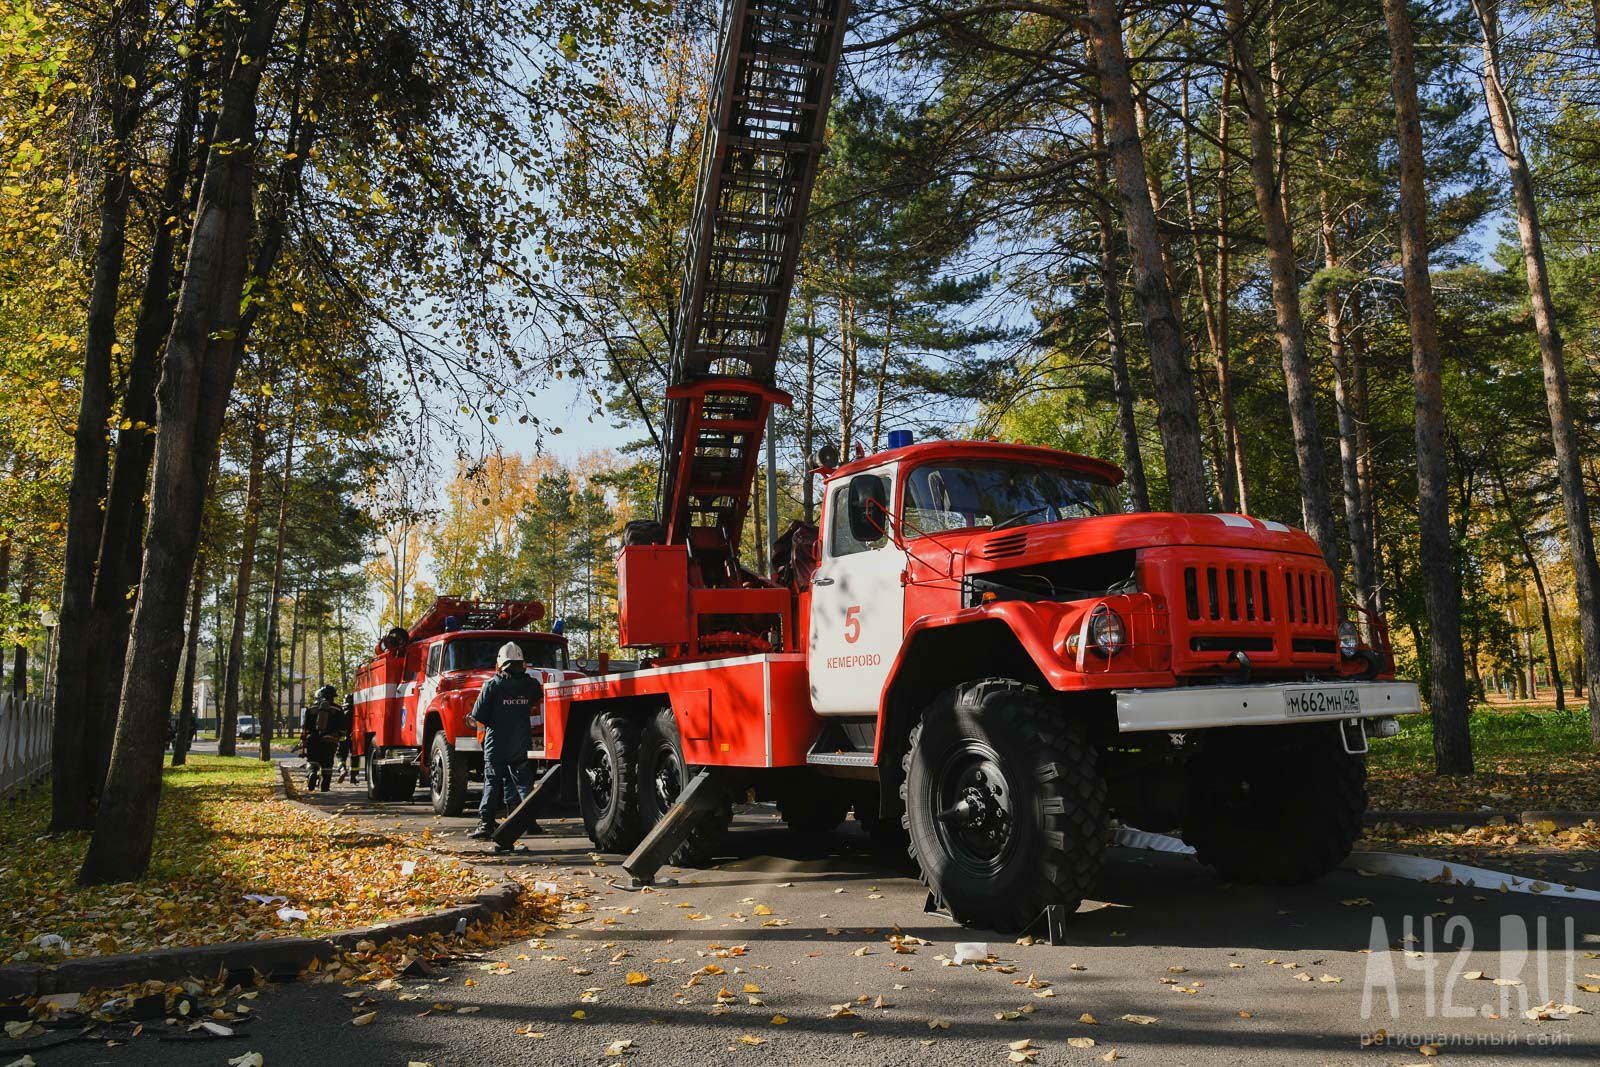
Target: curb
point(277, 958)
point(1562, 819)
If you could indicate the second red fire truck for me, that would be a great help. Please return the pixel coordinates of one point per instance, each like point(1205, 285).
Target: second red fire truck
point(412, 701)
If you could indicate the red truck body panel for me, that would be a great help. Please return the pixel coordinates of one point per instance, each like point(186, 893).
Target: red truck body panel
point(744, 711)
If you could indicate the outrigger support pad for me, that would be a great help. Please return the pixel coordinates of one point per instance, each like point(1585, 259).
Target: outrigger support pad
point(1051, 924)
point(702, 796)
point(528, 810)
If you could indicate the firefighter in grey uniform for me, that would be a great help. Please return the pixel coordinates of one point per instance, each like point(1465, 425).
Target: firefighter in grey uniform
point(504, 707)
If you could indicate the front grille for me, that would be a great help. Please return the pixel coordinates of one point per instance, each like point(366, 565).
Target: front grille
point(1277, 607)
point(1230, 592)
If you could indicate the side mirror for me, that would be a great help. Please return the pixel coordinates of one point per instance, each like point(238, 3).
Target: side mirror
point(869, 508)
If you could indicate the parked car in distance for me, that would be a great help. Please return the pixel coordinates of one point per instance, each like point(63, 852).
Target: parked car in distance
point(249, 729)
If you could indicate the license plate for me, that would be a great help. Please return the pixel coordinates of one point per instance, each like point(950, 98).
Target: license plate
point(1322, 700)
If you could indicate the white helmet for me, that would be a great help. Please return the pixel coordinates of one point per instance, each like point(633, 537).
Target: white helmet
point(510, 652)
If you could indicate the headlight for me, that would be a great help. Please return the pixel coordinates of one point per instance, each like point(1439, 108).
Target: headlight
point(1106, 632)
point(1349, 639)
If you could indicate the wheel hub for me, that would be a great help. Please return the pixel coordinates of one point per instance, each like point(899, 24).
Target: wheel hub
point(598, 775)
point(668, 782)
point(974, 807)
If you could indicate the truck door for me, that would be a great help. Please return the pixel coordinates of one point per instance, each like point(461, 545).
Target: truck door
point(857, 606)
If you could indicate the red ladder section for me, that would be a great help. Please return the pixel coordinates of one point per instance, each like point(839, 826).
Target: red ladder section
point(774, 80)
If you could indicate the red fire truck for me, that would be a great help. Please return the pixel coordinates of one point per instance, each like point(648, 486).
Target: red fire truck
point(977, 650)
point(412, 701)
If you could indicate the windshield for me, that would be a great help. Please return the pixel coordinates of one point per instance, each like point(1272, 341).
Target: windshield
point(961, 496)
point(478, 653)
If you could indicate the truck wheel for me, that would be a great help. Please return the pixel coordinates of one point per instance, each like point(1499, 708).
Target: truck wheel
point(1275, 804)
point(662, 776)
point(447, 777)
point(376, 779)
point(608, 782)
point(1005, 805)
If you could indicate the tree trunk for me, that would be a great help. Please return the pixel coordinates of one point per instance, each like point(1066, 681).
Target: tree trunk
point(228, 727)
point(1297, 377)
point(5, 586)
point(19, 652)
point(1356, 341)
point(73, 784)
point(269, 675)
point(1227, 469)
point(123, 521)
point(808, 501)
point(344, 682)
point(1452, 740)
point(883, 376)
point(1221, 357)
point(1520, 532)
point(1366, 579)
point(186, 712)
point(1574, 498)
point(1169, 357)
point(196, 382)
point(1116, 344)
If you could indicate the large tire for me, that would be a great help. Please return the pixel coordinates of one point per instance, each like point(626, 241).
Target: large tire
point(662, 776)
point(1005, 805)
point(383, 783)
point(1278, 805)
point(608, 782)
point(447, 777)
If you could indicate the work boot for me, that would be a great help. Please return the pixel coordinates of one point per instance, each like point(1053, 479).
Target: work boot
point(483, 832)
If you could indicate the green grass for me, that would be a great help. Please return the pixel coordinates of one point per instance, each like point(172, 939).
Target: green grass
point(1495, 735)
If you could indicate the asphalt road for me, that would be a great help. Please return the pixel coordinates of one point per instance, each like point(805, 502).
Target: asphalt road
point(1226, 973)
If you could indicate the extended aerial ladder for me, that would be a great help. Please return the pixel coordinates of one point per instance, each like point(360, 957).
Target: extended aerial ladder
point(680, 586)
point(763, 141)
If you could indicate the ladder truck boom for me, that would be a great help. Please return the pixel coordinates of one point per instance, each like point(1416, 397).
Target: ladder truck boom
point(763, 140)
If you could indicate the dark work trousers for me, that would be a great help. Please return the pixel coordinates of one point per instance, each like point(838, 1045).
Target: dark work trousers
point(320, 755)
point(510, 781)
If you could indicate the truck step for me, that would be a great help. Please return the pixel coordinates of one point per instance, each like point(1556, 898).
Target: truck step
point(840, 759)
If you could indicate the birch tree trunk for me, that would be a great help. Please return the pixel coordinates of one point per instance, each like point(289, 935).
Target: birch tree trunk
point(1452, 741)
point(1169, 357)
point(1557, 394)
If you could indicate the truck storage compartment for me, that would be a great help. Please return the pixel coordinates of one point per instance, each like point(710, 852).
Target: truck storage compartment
point(653, 595)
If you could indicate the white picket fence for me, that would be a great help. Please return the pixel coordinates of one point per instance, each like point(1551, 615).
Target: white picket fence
point(24, 742)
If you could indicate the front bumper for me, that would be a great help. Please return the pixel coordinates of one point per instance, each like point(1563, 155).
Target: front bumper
point(1202, 706)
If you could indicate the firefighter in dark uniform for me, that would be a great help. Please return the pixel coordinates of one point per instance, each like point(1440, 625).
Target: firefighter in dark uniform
point(349, 763)
point(320, 731)
point(505, 704)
